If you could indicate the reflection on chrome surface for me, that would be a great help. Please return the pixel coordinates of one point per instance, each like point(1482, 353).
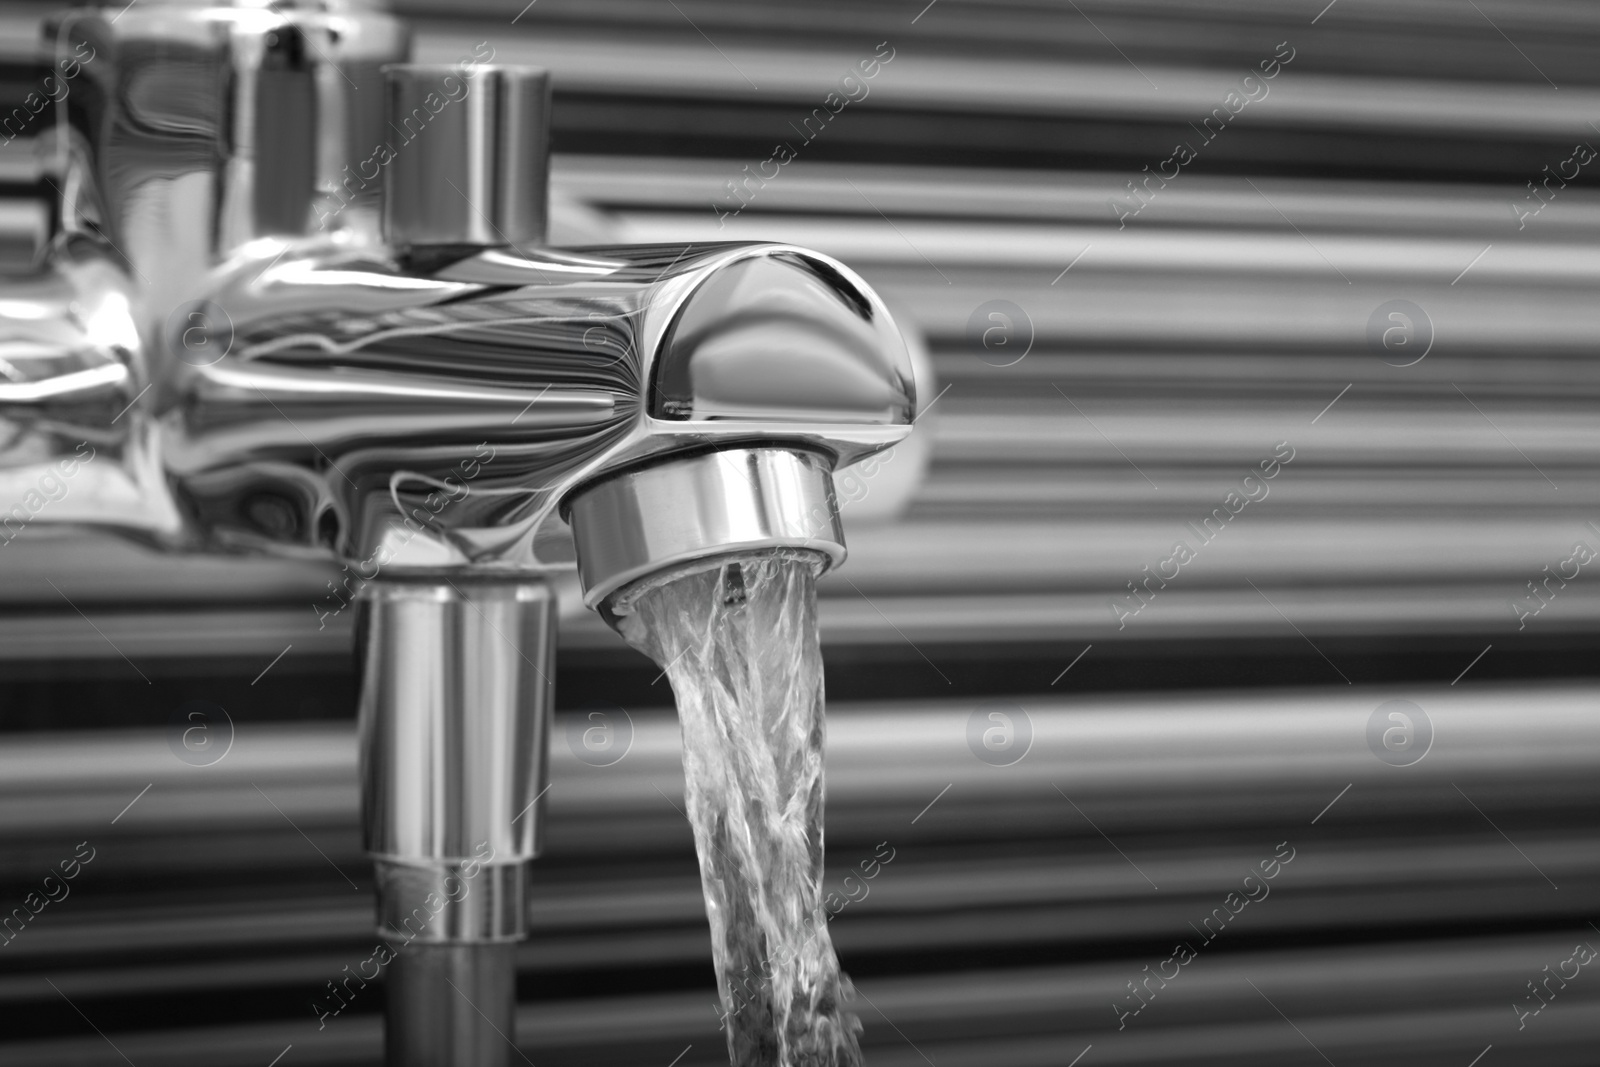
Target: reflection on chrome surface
point(353, 388)
point(1085, 674)
point(265, 349)
point(314, 381)
point(71, 372)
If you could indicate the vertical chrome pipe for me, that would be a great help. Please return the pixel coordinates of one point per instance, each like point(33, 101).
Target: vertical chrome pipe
point(470, 156)
point(447, 1006)
point(457, 684)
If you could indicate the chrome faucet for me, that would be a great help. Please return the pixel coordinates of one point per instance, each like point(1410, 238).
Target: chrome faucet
point(287, 319)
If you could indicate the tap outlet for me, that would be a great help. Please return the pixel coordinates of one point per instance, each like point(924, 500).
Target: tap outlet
point(298, 323)
point(681, 512)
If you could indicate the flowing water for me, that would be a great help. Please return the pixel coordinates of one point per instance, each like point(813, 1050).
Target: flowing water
point(739, 641)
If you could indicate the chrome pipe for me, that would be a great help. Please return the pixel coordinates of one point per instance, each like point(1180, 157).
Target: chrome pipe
point(480, 179)
point(446, 1007)
point(457, 684)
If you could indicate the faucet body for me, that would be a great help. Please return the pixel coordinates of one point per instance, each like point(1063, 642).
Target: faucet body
point(438, 418)
point(287, 320)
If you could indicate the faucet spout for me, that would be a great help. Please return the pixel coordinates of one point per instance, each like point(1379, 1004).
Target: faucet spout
point(440, 417)
point(650, 522)
point(407, 382)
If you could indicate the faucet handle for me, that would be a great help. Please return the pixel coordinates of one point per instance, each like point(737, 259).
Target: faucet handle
point(469, 160)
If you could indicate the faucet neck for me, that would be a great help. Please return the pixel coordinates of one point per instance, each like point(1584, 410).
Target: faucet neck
point(466, 165)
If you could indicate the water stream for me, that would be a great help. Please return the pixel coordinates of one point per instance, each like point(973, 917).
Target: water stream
point(738, 640)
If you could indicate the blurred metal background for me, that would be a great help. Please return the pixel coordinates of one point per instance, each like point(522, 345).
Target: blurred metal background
point(1172, 750)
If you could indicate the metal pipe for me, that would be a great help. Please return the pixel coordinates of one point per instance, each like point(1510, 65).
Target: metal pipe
point(483, 138)
point(447, 1007)
point(457, 688)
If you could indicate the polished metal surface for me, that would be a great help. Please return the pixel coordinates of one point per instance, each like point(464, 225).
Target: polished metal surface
point(467, 903)
point(24, 234)
point(457, 685)
point(206, 328)
point(315, 392)
point(1393, 159)
point(447, 1006)
point(437, 419)
point(215, 125)
point(74, 446)
point(682, 511)
point(468, 162)
point(71, 359)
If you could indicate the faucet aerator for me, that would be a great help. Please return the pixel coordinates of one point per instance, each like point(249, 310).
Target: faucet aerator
point(635, 529)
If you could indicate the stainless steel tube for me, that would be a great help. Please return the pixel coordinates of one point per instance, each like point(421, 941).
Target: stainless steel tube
point(446, 1007)
point(470, 151)
point(457, 687)
point(457, 684)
